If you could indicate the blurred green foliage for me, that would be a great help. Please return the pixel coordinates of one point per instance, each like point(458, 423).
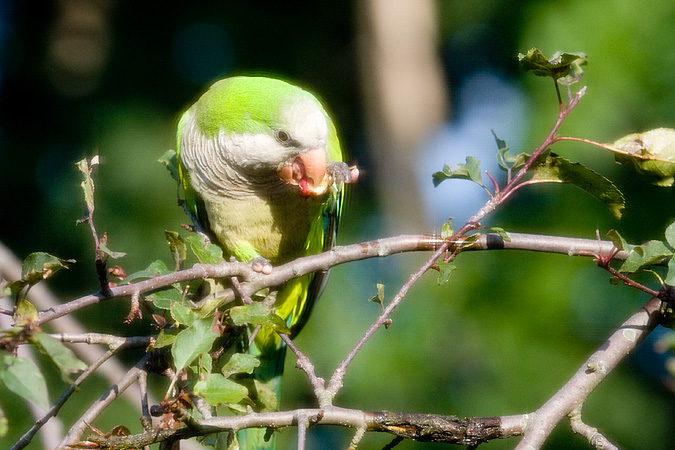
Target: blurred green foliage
point(507, 330)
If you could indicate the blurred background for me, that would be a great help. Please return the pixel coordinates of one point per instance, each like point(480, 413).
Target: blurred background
point(412, 84)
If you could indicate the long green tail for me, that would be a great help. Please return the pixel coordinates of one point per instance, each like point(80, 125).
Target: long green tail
point(266, 380)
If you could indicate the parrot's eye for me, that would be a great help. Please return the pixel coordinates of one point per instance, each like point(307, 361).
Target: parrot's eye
point(283, 137)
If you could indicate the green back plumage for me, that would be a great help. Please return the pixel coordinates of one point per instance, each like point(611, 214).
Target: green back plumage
point(250, 105)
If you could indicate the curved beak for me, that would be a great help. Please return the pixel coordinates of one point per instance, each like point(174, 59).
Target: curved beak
point(307, 171)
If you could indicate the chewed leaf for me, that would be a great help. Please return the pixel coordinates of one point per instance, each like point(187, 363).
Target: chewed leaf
point(645, 255)
point(379, 297)
point(168, 159)
point(444, 272)
point(618, 240)
point(177, 246)
point(39, 265)
point(651, 153)
point(468, 171)
point(88, 184)
point(25, 314)
point(114, 255)
point(550, 167)
point(505, 159)
point(560, 65)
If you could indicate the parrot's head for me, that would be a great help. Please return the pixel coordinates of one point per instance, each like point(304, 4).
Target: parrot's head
point(265, 130)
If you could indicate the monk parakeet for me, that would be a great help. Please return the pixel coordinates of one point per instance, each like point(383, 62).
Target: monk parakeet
point(262, 172)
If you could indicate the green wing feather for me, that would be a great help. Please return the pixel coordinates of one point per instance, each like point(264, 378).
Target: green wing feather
point(296, 297)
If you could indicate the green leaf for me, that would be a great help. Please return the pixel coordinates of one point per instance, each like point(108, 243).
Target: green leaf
point(165, 338)
point(670, 276)
point(670, 235)
point(39, 266)
point(257, 313)
point(177, 247)
point(182, 314)
point(166, 298)
point(4, 424)
point(261, 394)
point(379, 297)
point(193, 341)
point(618, 240)
point(23, 377)
point(114, 255)
point(205, 363)
point(88, 184)
point(505, 159)
point(468, 171)
point(550, 167)
point(447, 230)
point(62, 356)
point(168, 160)
point(445, 270)
point(645, 255)
point(240, 363)
point(560, 65)
point(155, 268)
point(216, 389)
point(501, 232)
point(205, 253)
point(651, 154)
point(25, 314)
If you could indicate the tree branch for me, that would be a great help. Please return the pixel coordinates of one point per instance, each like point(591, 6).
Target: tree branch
point(97, 408)
point(420, 427)
point(252, 281)
point(586, 379)
point(28, 436)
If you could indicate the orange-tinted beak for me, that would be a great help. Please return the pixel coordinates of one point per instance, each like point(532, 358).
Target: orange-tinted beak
point(308, 172)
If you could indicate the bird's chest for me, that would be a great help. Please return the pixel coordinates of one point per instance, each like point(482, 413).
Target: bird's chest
point(275, 227)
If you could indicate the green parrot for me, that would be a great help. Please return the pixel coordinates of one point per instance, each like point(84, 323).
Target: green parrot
point(262, 174)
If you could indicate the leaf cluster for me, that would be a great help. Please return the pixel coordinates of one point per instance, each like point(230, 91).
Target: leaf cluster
point(209, 346)
point(21, 375)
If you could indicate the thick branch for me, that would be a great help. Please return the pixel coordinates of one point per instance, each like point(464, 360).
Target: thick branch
point(586, 379)
point(421, 427)
point(252, 281)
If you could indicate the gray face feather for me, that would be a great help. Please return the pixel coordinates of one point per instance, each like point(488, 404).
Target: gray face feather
point(231, 164)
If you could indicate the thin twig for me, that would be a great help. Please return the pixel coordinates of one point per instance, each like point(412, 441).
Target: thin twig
point(629, 282)
point(146, 417)
point(112, 341)
point(358, 436)
point(303, 363)
point(514, 184)
point(28, 436)
point(595, 438)
point(108, 397)
point(335, 383)
point(302, 430)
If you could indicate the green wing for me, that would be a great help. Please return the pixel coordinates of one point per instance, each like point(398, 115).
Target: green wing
point(297, 297)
